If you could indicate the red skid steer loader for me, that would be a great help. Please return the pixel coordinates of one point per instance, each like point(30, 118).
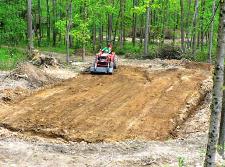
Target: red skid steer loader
point(104, 63)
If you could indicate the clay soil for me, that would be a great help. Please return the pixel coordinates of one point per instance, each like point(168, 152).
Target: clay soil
point(134, 103)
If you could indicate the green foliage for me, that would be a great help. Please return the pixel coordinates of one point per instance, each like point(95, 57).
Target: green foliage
point(61, 26)
point(10, 57)
point(128, 49)
point(94, 14)
point(202, 55)
point(58, 49)
point(181, 162)
point(81, 32)
point(12, 19)
point(139, 10)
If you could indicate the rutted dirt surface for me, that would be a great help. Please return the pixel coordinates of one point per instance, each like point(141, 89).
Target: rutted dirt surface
point(133, 103)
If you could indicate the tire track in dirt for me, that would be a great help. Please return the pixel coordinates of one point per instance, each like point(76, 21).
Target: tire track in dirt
point(131, 104)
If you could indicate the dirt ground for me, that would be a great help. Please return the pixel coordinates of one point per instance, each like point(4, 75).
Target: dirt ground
point(131, 104)
point(16, 150)
point(149, 113)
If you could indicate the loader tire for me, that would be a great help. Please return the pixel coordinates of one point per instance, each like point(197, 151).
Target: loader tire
point(114, 65)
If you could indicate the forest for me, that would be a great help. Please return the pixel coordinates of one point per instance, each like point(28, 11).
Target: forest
point(139, 27)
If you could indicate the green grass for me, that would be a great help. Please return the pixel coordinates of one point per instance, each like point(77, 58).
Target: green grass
point(202, 56)
point(10, 57)
point(129, 51)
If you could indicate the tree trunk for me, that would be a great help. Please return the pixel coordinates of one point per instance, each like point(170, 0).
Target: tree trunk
point(182, 25)
point(39, 23)
point(121, 23)
point(153, 22)
point(85, 13)
point(141, 31)
point(60, 17)
point(115, 30)
point(217, 93)
point(53, 22)
point(198, 39)
point(164, 19)
point(48, 23)
point(124, 25)
point(29, 28)
point(83, 53)
point(188, 25)
point(202, 23)
point(110, 23)
point(134, 24)
point(101, 35)
point(221, 141)
point(34, 21)
point(174, 28)
point(222, 128)
point(211, 33)
point(69, 20)
point(94, 38)
point(71, 41)
point(194, 28)
point(147, 29)
point(109, 27)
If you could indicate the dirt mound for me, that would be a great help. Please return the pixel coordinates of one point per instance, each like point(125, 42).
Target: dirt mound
point(131, 104)
point(35, 76)
point(196, 65)
point(9, 95)
point(43, 59)
point(169, 52)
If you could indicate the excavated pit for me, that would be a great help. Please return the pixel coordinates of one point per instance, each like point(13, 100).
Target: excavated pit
point(133, 103)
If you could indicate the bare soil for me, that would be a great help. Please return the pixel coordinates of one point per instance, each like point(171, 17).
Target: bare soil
point(131, 104)
point(149, 113)
point(17, 150)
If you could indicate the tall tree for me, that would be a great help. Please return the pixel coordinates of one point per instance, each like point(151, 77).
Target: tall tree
point(188, 24)
point(53, 22)
point(202, 23)
point(182, 24)
point(94, 37)
point(194, 28)
point(69, 22)
point(110, 22)
point(121, 23)
point(85, 14)
point(164, 19)
point(48, 23)
point(101, 34)
point(134, 24)
point(124, 21)
point(30, 31)
point(211, 32)
point(39, 23)
point(217, 92)
point(147, 29)
point(221, 141)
